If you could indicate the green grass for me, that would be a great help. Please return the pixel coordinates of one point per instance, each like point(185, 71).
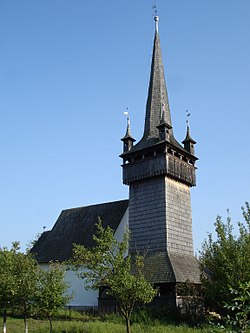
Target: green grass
point(74, 326)
point(84, 323)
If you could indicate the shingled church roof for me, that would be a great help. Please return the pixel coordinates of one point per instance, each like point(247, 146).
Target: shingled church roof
point(163, 267)
point(77, 225)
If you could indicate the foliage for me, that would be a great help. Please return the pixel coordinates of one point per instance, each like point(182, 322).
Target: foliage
point(225, 261)
point(240, 308)
point(7, 278)
point(51, 290)
point(237, 321)
point(25, 288)
point(18, 276)
point(106, 265)
point(25, 274)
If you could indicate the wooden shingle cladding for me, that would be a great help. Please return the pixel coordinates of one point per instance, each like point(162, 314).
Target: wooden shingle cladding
point(162, 267)
point(77, 225)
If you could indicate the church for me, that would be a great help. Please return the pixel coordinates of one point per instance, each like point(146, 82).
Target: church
point(159, 172)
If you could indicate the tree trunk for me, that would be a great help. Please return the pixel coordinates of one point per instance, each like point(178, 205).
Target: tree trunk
point(25, 324)
point(50, 325)
point(128, 324)
point(4, 320)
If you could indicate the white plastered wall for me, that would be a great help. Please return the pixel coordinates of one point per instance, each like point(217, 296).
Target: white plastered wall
point(83, 297)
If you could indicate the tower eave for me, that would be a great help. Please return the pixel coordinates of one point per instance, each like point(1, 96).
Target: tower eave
point(189, 139)
point(128, 137)
point(155, 147)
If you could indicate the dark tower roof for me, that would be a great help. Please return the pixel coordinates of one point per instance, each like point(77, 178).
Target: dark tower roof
point(157, 103)
point(188, 137)
point(157, 107)
point(128, 132)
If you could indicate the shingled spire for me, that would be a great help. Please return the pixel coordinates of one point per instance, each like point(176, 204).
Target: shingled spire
point(157, 108)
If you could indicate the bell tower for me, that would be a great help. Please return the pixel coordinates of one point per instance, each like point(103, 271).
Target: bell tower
point(160, 172)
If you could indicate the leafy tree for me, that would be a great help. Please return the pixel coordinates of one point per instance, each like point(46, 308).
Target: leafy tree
point(226, 261)
point(25, 275)
point(105, 265)
point(7, 278)
point(240, 308)
point(51, 291)
point(18, 276)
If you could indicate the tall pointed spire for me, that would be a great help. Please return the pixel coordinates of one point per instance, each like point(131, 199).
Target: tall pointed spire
point(157, 102)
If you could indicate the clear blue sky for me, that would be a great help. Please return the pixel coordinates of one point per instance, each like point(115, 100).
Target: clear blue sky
point(69, 69)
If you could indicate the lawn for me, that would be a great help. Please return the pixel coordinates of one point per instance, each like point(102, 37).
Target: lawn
point(97, 326)
point(85, 323)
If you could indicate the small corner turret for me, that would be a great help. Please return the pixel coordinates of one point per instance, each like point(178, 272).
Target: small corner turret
point(128, 140)
point(189, 142)
point(164, 129)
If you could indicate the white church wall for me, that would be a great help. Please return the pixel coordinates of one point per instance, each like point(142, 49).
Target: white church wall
point(123, 225)
point(83, 297)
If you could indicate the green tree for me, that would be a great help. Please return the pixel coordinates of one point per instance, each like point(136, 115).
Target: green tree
point(51, 293)
point(105, 265)
point(225, 261)
point(7, 279)
point(25, 275)
point(239, 319)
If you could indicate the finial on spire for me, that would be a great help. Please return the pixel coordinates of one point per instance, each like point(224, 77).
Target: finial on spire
point(156, 18)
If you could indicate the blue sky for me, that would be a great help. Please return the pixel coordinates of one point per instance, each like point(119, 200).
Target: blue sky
point(68, 71)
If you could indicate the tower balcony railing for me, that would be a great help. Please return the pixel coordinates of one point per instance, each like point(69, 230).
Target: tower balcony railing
point(159, 165)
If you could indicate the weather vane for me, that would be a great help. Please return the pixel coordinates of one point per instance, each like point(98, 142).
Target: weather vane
point(155, 9)
point(187, 119)
point(126, 113)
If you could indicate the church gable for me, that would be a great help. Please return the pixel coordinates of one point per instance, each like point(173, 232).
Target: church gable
point(77, 225)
